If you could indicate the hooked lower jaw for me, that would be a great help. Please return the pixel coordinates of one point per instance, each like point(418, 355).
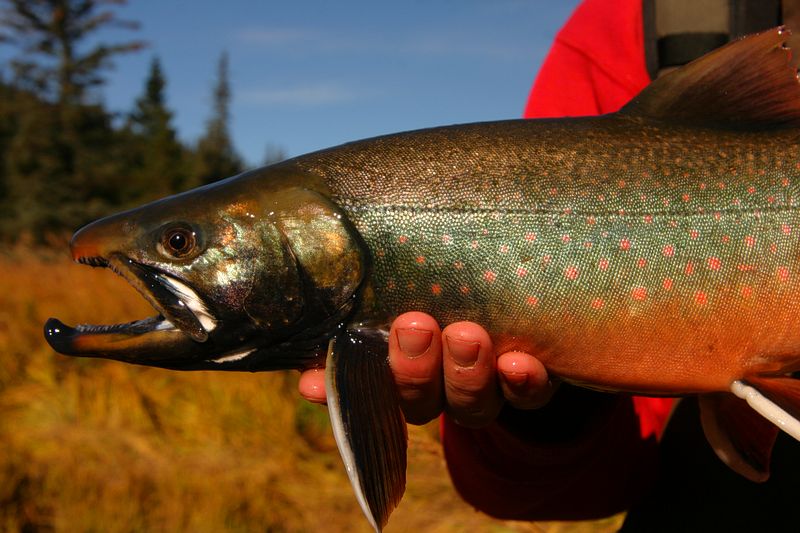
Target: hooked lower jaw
point(183, 321)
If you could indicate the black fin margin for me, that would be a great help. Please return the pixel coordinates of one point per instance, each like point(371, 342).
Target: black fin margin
point(368, 424)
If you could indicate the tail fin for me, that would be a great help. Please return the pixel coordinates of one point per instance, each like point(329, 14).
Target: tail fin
point(367, 422)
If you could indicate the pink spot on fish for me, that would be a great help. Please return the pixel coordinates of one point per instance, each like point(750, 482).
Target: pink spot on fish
point(639, 293)
point(641, 262)
point(591, 221)
point(533, 301)
point(474, 244)
point(773, 248)
point(667, 284)
point(726, 239)
point(685, 197)
point(436, 289)
point(602, 264)
point(714, 263)
point(749, 241)
point(786, 229)
point(522, 272)
point(747, 291)
point(785, 181)
point(751, 190)
point(503, 248)
point(693, 234)
point(464, 289)
point(420, 259)
point(625, 244)
point(446, 239)
point(489, 276)
point(402, 239)
point(700, 298)
point(668, 250)
point(571, 272)
point(530, 237)
point(689, 268)
point(648, 219)
point(598, 303)
point(565, 238)
point(783, 273)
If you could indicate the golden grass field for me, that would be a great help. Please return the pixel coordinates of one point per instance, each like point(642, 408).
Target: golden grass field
point(94, 445)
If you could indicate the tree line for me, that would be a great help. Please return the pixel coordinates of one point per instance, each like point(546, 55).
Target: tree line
point(64, 158)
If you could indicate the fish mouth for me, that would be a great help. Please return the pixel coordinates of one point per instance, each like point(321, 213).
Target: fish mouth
point(182, 315)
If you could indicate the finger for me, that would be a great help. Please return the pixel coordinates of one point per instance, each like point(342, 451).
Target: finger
point(415, 355)
point(312, 385)
point(470, 381)
point(524, 380)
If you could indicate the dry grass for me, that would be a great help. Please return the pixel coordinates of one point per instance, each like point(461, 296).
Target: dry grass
point(92, 445)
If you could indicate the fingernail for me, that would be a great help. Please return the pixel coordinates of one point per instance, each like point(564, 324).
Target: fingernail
point(464, 353)
point(413, 342)
point(516, 380)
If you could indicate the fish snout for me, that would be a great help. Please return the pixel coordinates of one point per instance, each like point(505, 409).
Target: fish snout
point(96, 241)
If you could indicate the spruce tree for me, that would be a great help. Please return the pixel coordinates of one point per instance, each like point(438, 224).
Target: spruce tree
point(215, 157)
point(58, 173)
point(158, 157)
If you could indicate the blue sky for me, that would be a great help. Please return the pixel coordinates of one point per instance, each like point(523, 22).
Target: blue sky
point(310, 74)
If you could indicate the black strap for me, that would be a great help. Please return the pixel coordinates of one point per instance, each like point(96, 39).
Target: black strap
point(679, 47)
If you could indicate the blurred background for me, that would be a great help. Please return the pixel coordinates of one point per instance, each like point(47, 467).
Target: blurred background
point(105, 104)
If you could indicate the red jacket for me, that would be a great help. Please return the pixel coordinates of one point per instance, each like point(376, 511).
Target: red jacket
point(585, 455)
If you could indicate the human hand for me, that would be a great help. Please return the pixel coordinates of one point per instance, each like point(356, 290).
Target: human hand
point(455, 370)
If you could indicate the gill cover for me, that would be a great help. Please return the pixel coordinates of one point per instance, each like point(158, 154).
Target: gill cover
point(327, 249)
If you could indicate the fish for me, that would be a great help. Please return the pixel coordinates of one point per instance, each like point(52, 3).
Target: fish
point(653, 251)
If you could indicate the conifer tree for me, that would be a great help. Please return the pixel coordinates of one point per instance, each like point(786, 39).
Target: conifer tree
point(57, 171)
point(216, 158)
point(159, 159)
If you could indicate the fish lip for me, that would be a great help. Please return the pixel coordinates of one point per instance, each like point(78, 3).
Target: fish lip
point(179, 307)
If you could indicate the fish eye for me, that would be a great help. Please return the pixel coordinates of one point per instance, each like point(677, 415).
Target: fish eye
point(177, 242)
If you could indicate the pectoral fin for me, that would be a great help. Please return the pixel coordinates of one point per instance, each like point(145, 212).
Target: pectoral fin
point(367, 421)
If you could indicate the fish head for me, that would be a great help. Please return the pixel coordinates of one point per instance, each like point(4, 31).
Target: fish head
point(242, 278)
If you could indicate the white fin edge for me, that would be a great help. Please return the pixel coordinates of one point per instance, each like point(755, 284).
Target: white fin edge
point(232, 357)
point(339, 435)
point(767, 408)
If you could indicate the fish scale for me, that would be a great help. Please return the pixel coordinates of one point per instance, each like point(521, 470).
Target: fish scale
point(668, 230)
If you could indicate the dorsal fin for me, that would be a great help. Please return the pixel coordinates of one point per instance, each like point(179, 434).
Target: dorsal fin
point(746, 84)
